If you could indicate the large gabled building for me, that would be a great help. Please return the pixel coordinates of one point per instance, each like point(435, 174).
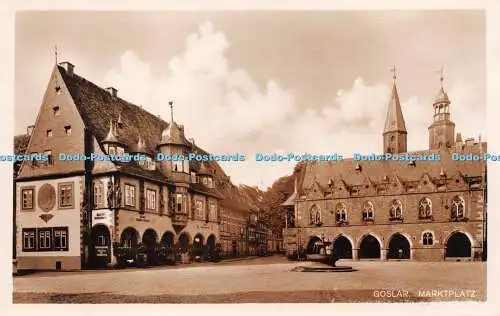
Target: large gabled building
point(414, 209)
point(73, 214)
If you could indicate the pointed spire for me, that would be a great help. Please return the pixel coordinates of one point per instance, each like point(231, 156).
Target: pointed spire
point(394, 120)
point(442, 96)
point(171, 103)
point(111, 137)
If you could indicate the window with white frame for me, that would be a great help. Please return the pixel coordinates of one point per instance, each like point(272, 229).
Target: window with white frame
point(98, 193)
point(65, 194)
point(129, 195)
point(44, 239)
point(213, 211)
point(61, 238)
point(27, 198)
point(199, 209)
point(150, 199)
point(29, 239)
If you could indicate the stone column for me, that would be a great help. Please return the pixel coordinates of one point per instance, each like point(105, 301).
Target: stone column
point(383, 254)
point(355, 254)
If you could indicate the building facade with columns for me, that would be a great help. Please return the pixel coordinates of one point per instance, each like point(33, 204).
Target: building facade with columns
point(72, 212)
point(428, 207)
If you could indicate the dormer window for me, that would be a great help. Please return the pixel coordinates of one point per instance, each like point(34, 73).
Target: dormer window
point(49, 133)
point(67, 129)
point(210, 183)
point(56, 110)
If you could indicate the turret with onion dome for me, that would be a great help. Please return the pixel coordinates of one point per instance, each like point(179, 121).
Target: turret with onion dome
point(442, 129)
point(111, 144)
point(173, 144)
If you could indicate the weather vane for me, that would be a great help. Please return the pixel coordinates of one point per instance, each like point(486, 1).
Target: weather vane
point(393, 70)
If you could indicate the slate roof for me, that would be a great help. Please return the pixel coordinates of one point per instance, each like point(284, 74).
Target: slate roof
point(394, 120)
point(381, 171)
point(98, 107)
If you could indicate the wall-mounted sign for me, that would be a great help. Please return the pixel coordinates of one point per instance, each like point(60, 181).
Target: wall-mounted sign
point(101, 251)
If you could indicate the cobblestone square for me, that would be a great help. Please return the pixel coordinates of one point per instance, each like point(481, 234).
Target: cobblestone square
point(260, 280)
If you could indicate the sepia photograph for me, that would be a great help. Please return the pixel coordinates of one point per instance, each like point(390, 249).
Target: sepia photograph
point(189, 157)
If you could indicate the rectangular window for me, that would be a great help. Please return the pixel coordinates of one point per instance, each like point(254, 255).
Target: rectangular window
point(199, 209)
point(129, 195)
point(50, 158)
point(213, 212)
point(150, 199)
point(65, 194)
point(49, 133)
point(44, 239)
point(67, 129)
point(98, 194)
point(29, 239)
point(61, 239)
point(178, 202)
point(27, 198)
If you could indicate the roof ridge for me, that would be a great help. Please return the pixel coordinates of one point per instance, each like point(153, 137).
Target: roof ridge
point(122, 99)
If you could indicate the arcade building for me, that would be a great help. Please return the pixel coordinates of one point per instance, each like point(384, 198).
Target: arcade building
point(403, 210)
point(74, 214)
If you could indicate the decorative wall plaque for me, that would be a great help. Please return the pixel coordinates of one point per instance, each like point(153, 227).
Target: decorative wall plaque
point(47, 197)
point(46, 217)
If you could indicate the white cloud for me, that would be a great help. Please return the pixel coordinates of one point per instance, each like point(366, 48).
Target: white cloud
point(224, 110)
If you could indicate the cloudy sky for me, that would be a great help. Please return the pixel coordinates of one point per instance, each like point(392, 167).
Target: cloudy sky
point(247, 82)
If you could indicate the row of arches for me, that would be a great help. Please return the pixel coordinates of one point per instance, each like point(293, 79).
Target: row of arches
point(457, 210)
point(100, 242)
point(458, 245)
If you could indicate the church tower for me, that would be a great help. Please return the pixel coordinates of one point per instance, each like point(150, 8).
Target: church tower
point(395, 133)
point(442, 129)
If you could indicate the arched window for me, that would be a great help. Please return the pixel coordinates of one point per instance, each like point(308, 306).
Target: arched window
point(396, 211)
point(457, 207)
point(425, 208)
point(368, 212)
point(340, 213)
point(315, 215)
point(427, 239)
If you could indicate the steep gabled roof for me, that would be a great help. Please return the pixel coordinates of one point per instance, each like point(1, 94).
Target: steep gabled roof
point(98, 107)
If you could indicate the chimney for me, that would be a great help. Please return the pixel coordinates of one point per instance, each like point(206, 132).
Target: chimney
point(68, 67)
point(29, 130)
point(112, 91)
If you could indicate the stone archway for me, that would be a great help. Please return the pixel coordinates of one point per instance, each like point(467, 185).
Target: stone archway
point(184, 241)
point(314, 245)
point(149, 242)
point(342, 247)
point(399, 247)
point(458, 245)
point(167, 240)
point(129, 238)
point(369, 248)
point(100, 246)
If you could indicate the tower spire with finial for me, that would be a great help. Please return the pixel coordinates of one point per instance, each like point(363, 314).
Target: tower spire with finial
point(441, 78)
point(393, 70)
point(171, 103)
